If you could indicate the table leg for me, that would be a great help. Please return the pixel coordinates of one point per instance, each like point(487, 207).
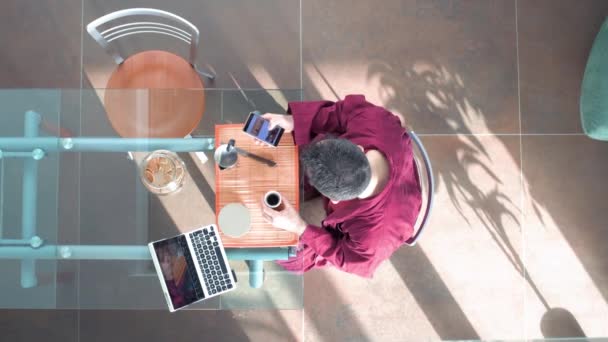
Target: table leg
point(256, 273)
point(29, 201)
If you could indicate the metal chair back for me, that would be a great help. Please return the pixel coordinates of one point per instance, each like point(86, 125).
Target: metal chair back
point(427, 182)
point(115, 29)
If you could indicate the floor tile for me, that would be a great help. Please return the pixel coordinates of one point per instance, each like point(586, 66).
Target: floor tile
point(255, 42)
point(466, 265)
point(39, 325)
point(555, 37)
point(40, 44)
point(565, 230)
point(473, 240)
point(344, 307)
point(445, 66)
point(201, 325)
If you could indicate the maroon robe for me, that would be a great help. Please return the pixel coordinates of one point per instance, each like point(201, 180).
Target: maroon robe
point(357, 235)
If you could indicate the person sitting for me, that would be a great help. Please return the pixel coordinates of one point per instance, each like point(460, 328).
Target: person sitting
point(359, 158)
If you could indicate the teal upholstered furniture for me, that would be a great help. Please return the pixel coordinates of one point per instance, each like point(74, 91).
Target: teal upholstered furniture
point(594, 90)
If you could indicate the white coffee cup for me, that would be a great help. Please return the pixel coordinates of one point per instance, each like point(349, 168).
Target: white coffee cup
point(272, 199)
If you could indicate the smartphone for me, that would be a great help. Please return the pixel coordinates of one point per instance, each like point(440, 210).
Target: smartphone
point(259, 128)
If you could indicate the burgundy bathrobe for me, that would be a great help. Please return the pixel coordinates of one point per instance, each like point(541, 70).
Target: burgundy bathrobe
point(357, 235)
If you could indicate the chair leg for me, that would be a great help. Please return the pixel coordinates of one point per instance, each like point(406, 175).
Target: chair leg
point(207, 74)
point(117, 57)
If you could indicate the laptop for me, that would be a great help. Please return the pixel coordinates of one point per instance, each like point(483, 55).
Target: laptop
point(192, 267)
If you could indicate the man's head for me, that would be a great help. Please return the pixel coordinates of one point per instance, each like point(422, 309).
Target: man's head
point(337, 168)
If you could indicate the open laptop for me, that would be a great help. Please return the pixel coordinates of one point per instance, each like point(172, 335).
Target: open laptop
point(192, 267)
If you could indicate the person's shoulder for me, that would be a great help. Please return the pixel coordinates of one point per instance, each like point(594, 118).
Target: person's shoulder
point(355, 98)
point(361, 100)
point(356, 101)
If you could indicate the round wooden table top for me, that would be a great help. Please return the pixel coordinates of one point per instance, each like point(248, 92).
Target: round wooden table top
point(154, 94)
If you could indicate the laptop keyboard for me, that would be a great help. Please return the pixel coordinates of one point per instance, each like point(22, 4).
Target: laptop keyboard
point(193, 276)
point(211, 261)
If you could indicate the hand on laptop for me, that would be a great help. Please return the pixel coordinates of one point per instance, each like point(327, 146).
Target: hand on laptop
point(287, 219)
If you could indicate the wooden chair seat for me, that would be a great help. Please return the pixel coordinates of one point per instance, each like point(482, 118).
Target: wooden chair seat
point(166, 99)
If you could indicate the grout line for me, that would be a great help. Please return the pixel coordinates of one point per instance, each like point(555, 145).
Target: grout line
point(303, 309)
point(521, 180)
point(499, 134)
point(553, 134)
point(241, 88)
point(78, 167)
point(301, 57)
point(206, 89)
point(302, 320)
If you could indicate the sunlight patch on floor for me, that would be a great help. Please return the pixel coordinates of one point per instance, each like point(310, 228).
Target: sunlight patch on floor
point(562, 279)
point(362, 309)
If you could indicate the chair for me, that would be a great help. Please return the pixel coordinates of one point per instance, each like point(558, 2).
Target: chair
point(188, 33)
point(427, 182)
point(151, 93)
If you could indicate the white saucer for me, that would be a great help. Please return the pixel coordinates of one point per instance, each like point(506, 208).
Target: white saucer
point(234, 220)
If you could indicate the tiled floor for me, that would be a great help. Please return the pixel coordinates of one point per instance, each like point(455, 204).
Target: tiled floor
point(515, 249)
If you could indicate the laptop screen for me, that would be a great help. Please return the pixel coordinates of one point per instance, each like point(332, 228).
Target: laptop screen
point(179, 278)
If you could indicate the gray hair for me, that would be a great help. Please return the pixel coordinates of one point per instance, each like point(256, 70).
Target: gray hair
point(337, 168)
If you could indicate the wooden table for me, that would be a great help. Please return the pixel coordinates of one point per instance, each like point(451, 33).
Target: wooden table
point(167, 100)
point(248, 181)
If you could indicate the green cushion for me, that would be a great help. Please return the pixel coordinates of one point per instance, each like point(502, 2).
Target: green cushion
point(594, 92)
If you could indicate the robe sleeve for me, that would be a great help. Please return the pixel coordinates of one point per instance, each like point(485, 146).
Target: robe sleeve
point(353, 252)
point(312, 118)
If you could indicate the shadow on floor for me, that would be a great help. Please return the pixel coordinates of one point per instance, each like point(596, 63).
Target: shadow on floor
point(439, 98)
point(560, 323)
point(432, 295)
point(198, 178)
point(332, 317)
